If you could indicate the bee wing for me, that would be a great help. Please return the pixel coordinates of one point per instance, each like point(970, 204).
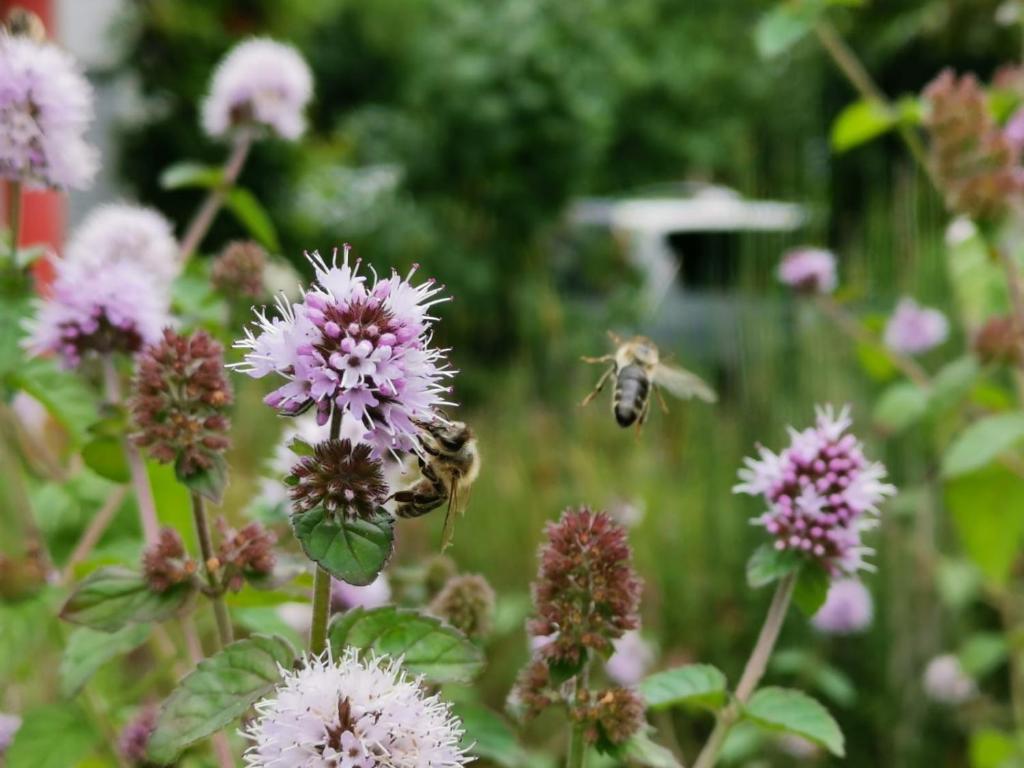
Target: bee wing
point(456, 506)
point(683, 384)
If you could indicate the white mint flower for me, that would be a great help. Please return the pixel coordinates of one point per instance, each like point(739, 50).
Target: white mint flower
point(914, 329)
point(353, 713)
point(122, 233)
point(946, 682)
point(262, 83)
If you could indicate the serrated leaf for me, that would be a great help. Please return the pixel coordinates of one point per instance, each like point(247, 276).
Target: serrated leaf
point(488, 736)
point(987, 508)
point(811, 589)
point(87, 650)
point(427, 646)
point(217, 692)
point(768, 564)
point(354, 551)
point(700, 685)
point(900, 406)
point(641, 750)
point(105, 456)
point(112, 598)
point(54, 736)
point(254, 217)
point(190, 174)
point(790, 711)
point(982, 442)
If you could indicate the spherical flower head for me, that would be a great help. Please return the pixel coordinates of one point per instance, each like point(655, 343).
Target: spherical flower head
point(88, 312)
point(609, 717)
point(165, 562)
point(122, 233)
point(9, 725)
point(586, 593)
point(238, 270)
point(946, 682)
point(133, 740)
point(467, 603)
point(343, 478)
point(45, 109)
point(913, 329)
point(260, 83)
point(345, 596)
point(632, 659)
point(246, 552)
point(358, 346)
point(848, 609)
point(180, 402)
point(352, 713)
point(999, 341)
point(821, 492)
point(809, 270)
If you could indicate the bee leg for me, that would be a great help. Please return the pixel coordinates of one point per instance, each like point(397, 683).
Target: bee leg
point(616, 339)
point(600, 385)
point(661, 400)
point(601, 359)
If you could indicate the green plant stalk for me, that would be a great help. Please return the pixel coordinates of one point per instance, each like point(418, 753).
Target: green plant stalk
point(752, 672)
point(322, 580)
point(220, 609)
point(14, 202)
point(16, 514)
point(577, 757)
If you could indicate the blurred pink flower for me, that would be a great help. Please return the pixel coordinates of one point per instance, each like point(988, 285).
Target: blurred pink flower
point(631, 660)
point(913, 329)
point(847, 609)
point(9, 725)
point(123, 233)
point(373, 595)
point(809, 270)
point(946, 682)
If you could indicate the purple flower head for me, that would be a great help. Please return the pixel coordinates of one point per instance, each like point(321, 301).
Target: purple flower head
point(372, 595)
point(821, 493)
point(112, 234)
point(632, 659)
point(914, 329)
point(358, 346)
point(45, 108)
point(809, 270)
point(263, 83)
point(117, 309)
point(848, 609)
point(946, 682)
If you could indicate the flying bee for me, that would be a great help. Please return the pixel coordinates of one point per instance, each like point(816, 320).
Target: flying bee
point(638, 370)
point(449, 464)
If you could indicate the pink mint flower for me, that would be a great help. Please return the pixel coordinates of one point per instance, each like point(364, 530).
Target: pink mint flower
point(848, 609)
point(358, 346)
point(809, 270)
point(45, 108)
point(914, 329)
point(946, 682)
point(372, 595)
point(260, 83)
point(632, 659)
point(821, 492)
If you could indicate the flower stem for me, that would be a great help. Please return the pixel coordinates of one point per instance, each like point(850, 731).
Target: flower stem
point(204, 217)
point(577, 757)
point(752, 672)
point(322, 580)
point(220, 609)
point(140, 480)
point(14, 200)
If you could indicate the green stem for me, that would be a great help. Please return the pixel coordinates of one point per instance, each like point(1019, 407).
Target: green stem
point(14, 200)
point(752, 672)
point(322, 580)
point(220, 609)
point(577, 757)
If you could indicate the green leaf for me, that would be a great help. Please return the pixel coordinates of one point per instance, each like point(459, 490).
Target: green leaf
point(54, 736)
point(784, 26)
point(254, 217)
point(859, 123)
point(112, 598)
point(354, 551)
point(642, 750)
point(210, 482)
point(953, 382)
point(875, 360)
point(700, 685)
point(982, 442)
point(105, 456)
point(983, 653)
point(811, 589)
point(300, 447)
point(987, 508)
point(88, 650)
point(191, 174)
point(217, 692)
point(768, 564)
point(488, 736)
point(63, 394)
point(991, 748)
point(899, 406)
point(783, 709)
point(427, 647)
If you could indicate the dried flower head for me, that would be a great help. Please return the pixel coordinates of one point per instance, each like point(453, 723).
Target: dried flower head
point(238, 270)
point(586, 594)
point(126, 234)
point(821, 493)
point(134, 737)
point(180, 401)
point(467, 603)
point(632, 659)
point(353, 713)
point(847, 609)
point(808, 270)
point(373, 595)
point(946, 682)
point(361, 348)
point(165, 562)
point(260, 83)
point(343, 478)
point(976, 165)
point(913, 329)
point(609, 717)
point(88, 312)
point(248, 552)
point(998, 341)
point(45, 109)
point(533, 691)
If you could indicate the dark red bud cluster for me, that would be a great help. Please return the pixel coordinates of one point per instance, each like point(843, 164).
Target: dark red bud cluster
point(238, 270)
point(165, 562)
point(341, 477)
point(247, 552)
point(609, 717)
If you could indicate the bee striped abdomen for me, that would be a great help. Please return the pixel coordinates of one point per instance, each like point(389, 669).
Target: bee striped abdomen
point(632, 387)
